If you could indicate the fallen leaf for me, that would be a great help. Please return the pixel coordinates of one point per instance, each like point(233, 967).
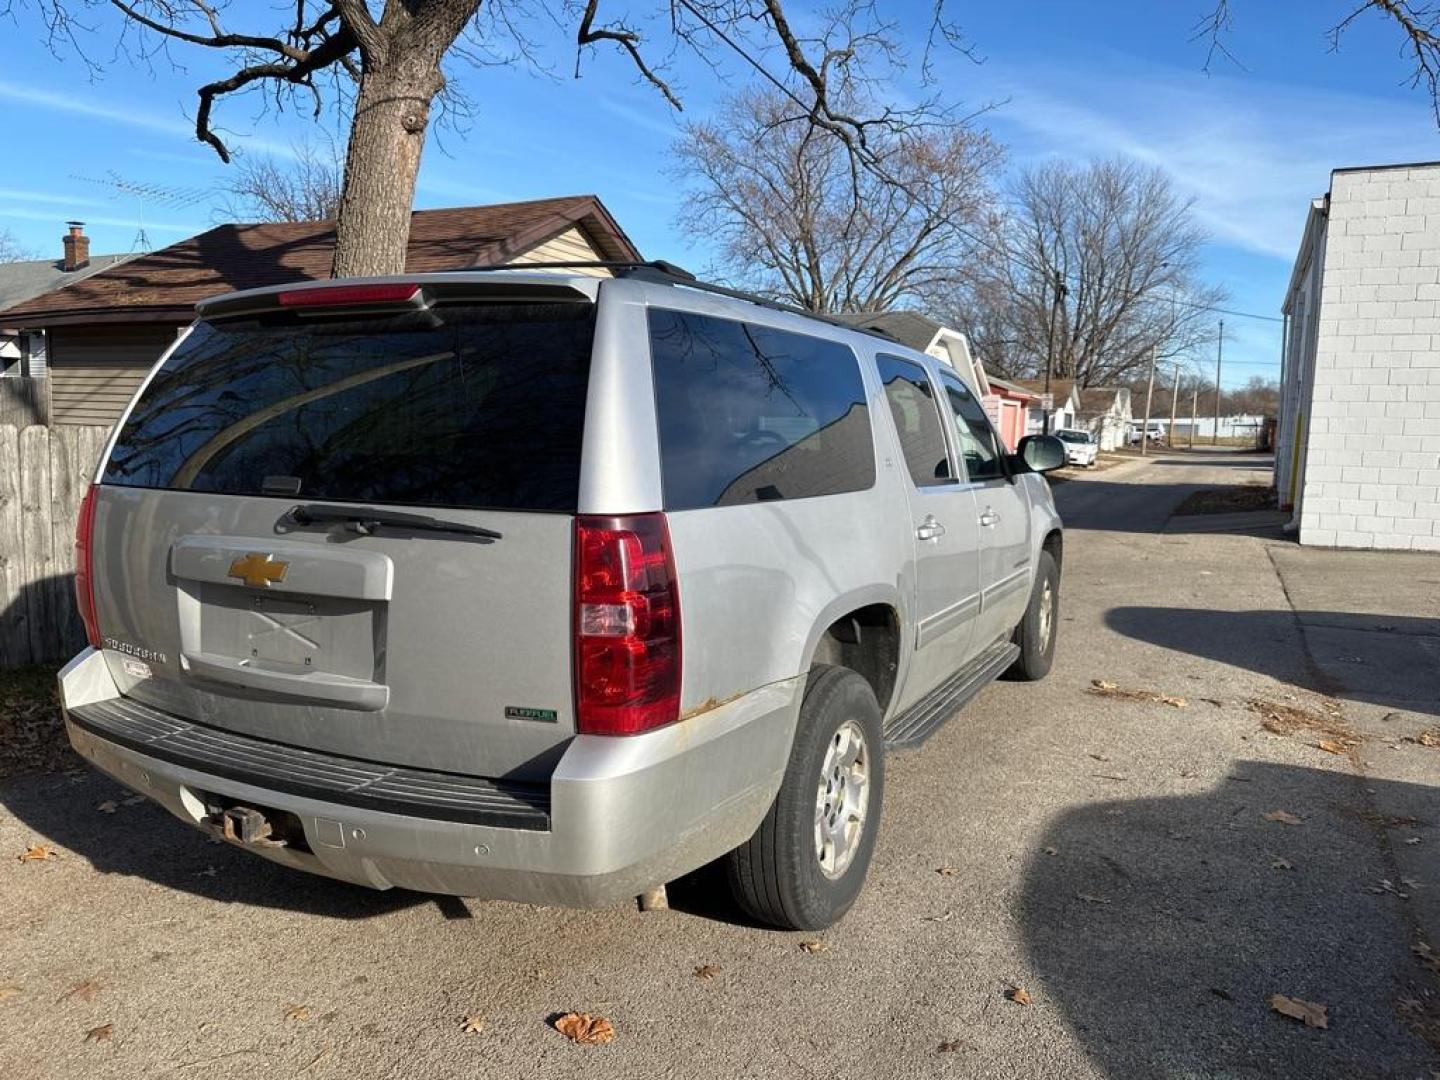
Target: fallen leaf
point(38, 853)
point(1312, 1014)
point(1284, 817)
point(813, 946)
point(109, 806)
point(1428, 737)
point(952, 1046)
point(707, 971)
point(1106, 688)
point(131, 800)
point(101, 1033)
point(297, 1012)
point(944, 917)
point(1412, 840)
point(85, 991)
point(1282, 864)
point(1019, 996)
point(1331, 746)
point(472, 1024)
point(1052, 851)
point(9, 992)
point(586, 1029)
point(1091, 899)
point(1099, 757)
point(947, 871)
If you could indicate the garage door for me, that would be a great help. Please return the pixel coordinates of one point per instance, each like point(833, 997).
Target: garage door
point(94, 371)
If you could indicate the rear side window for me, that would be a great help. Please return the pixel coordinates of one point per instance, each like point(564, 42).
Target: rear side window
point(917, 420)
point(752, 414)
point(465, 406)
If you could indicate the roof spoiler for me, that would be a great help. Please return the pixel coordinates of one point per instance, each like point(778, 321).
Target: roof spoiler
point(392, 295)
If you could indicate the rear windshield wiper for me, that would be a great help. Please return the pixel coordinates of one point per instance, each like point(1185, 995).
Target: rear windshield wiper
point(366, 522)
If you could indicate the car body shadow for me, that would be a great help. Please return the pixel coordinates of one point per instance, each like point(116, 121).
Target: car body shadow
point(1386, 660)
point(1160, 928)
point(88, 814)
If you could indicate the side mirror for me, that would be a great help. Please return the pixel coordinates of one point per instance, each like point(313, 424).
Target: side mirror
point(1040, 453)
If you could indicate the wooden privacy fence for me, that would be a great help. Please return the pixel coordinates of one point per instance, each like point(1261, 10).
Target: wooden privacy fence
point(43, 475)
point(24, 401)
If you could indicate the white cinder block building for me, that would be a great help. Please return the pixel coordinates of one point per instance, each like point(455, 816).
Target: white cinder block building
point(1358, 444)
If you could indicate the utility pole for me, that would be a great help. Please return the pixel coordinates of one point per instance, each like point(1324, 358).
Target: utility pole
point(1194, 406)
point(1050, 347)
point(1174, 401)
point(1219, 352)
point(1149, 396)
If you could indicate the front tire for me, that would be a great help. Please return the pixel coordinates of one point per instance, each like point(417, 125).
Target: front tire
point(806, 863)
point(1036, 633)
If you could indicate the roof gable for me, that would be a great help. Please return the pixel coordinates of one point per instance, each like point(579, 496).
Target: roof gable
point(169, 282)
point(22, 281)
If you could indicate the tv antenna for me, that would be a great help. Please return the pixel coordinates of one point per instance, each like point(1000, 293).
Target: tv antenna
point(148, 193)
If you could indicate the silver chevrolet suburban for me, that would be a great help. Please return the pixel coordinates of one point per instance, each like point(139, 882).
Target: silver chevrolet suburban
point(549, 587)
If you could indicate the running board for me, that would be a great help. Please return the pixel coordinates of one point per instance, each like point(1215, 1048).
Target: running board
point(924, 718)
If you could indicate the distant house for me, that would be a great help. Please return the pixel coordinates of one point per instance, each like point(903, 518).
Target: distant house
point(1011, 411)
point(101, 335)
point(1358, 440)
point(1065, 410)
point(22, 281)
point(1104, 411)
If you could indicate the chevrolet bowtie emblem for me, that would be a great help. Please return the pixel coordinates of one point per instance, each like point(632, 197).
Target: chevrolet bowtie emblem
point(259, 571)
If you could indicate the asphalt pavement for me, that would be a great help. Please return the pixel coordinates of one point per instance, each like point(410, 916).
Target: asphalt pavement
point(1116, 856)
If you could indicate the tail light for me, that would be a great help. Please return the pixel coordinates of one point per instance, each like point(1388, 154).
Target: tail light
point(627, 625)
point(84, 573)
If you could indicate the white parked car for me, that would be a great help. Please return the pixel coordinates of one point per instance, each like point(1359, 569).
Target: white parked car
point(1080, 447)
point(1155, 434)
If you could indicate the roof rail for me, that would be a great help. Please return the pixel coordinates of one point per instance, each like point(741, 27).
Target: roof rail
point(661, 272)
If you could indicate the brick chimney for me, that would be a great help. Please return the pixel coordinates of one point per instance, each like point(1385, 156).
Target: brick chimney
point(77, 247)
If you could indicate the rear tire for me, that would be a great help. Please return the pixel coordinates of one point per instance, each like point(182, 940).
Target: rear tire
point(806, 863)
point(1036, 633)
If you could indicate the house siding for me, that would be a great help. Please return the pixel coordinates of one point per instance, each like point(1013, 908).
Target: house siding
point(1370, 474)
point(94, 371)
point(570, 246)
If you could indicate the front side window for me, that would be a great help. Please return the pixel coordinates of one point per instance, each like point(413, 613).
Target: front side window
point(917, 420)
point(748, 413)
point(469, 406)
point(978, 444)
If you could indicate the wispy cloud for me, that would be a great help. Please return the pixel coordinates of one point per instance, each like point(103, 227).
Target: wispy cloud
point(1251, 153)
point(24, 213)
point(23, 195)
point(127, 116)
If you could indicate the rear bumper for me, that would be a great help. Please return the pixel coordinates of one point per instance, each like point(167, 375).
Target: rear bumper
point(623, 813)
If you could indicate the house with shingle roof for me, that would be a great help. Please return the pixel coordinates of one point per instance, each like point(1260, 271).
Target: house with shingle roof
point(29, 278)
point(101, 335)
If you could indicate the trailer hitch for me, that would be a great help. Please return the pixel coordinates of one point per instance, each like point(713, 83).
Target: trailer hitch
point(243, 825)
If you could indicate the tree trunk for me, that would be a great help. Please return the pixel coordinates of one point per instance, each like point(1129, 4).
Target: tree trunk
point(392, 111)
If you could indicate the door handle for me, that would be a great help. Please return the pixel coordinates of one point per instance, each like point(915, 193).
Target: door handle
point(929, 529)
point(989, 518)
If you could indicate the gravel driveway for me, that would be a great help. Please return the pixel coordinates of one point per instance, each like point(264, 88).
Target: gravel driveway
point(1108, 854)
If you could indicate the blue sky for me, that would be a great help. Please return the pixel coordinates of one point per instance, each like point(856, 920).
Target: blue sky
point(1076, 81)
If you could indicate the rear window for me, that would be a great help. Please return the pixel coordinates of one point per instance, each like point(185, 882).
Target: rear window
point(752, 414)
point(462, 406)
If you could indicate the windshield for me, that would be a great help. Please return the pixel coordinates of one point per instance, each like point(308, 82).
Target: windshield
point(465, 406)
point(1073, 436)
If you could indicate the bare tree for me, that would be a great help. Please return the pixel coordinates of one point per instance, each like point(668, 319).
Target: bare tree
point(265, 189)
point(1416, 24)
point(11, 251)
point(1096, 265)
point(387, 70)
point(794, 219)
